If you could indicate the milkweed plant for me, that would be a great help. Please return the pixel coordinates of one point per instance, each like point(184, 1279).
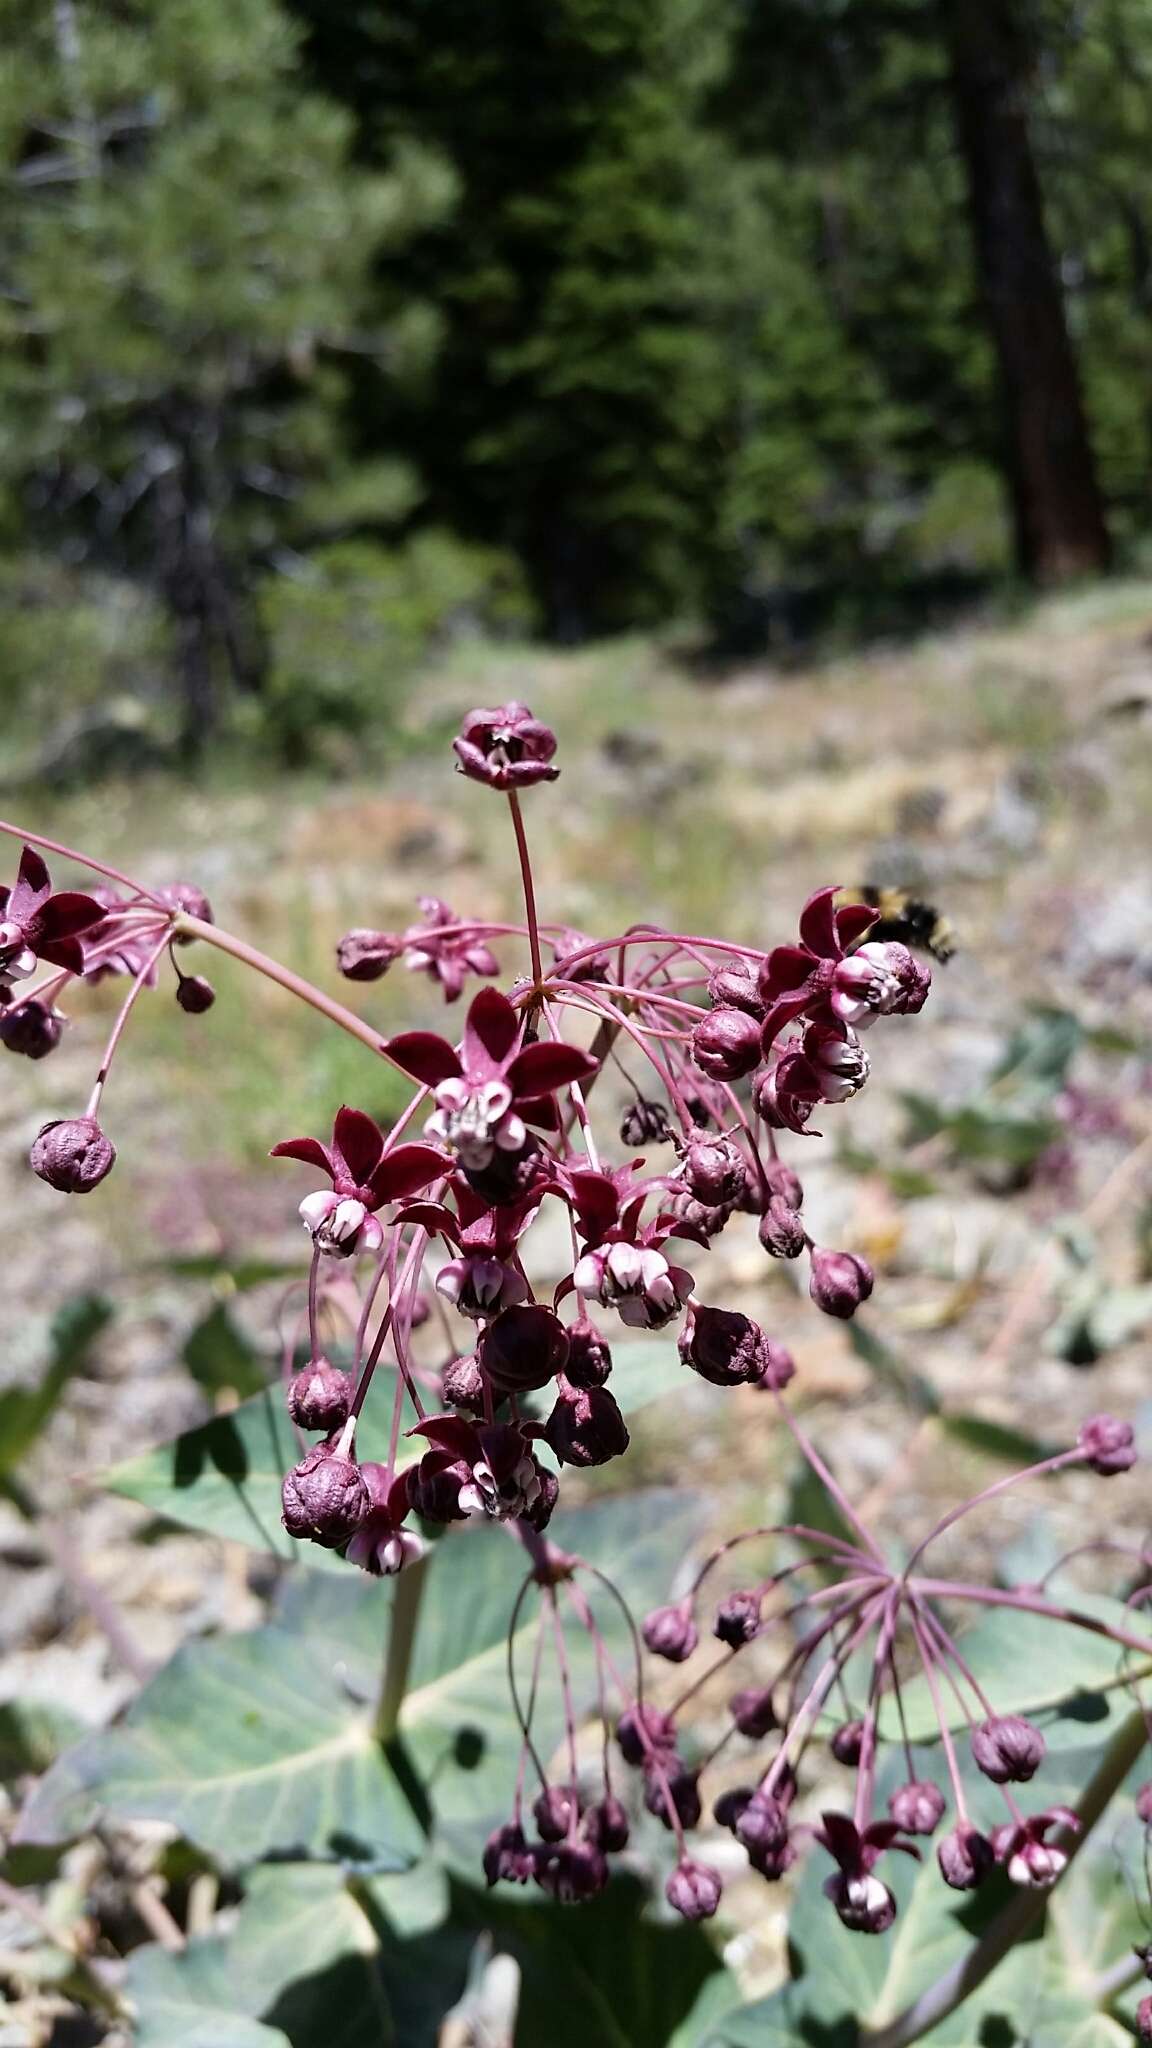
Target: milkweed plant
point(430, 1222)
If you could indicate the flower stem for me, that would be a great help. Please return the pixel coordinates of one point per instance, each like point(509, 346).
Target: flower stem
point(529, 891)
point(401, 1641)
point(226, 942)
point(964, 1976)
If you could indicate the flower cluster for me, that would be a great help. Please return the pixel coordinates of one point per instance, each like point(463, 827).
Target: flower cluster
point(723, 1049)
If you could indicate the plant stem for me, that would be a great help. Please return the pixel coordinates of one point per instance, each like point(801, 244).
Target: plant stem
point(226, 942)
point(529, 891)
point(401, 1641)
point(964, 1976)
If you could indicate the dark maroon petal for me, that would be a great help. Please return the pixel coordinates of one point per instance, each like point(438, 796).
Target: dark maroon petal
point(784, 968)
point(597, 1203)
point(818, 924)
point(852, 922)
point(841, 1839)
point(310, 1150)
point(66, 913)
point(472, 759)
point(540, 1110)
point(541, 1068)
point(405, 1170)
point(491, 1029)
point(449, 1433)
point(425, 1056)
point(33, 886)
point(432, 1217)
point(522, 773)
point(359, 1141)
point(67, 953)
point(783, 1012)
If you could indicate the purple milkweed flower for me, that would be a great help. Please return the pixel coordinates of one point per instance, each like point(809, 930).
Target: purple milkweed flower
point(1030, 1859)
point(1144, 1804)
point(762, 1825)
point(446, 956)
point(506, 748)
point(37, 925)
point(881, 979)
point(753, 1711)
point(381, 1546)
point(799, 980)
point(589, 1358)
point(484, 1092)
point(642, 1730)
point(863, 1903)
point(694, 1890)
point(636, 1281)
point(485, 1470)
point(570, 1871)
point(364, 1175)
point(73, 1155)
point(1008, 1749)
point(837, 1059)
point(479, 1285)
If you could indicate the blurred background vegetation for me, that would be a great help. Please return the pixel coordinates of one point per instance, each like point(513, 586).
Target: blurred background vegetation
point(334, 331)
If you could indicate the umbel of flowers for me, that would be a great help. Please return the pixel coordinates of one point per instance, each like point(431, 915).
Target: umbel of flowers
point(738, 1048)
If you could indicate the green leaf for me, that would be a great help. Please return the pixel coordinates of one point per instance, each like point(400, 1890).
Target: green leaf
point(1067, 1679)
point(25, 1411)
point(220, 1358)
point(996, 1439)
point(224, 1476)
point(260, 1744)
point(1042, 1048)
point(890, 1367)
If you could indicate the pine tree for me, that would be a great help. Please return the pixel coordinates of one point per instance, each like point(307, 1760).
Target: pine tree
point(184, 256)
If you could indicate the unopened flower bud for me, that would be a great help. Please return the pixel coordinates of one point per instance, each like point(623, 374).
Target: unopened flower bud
point(320, 1396)
point(606, 1825)
point(918, 1807)
point(478, 1286)
point(324, 1498)
point(782, 1231)
point(73, 1155)
point(31, 1028)
point(642, 1730)
point(1144, 1804)
point(693, 1890)
point(524, 1348)
point(965, 1857)
point(645, 1123)
point(715, 1170)
point(462, 1384)
point(586, 1426)
point(507, 1856)
point(191, 901)
point(762, 1825)
point(364, 955)
point(753, 1711)
point(670, 1632)
point(737, 1619)
point(847, 1742)
point(570, 1871)
point(723, 1346)
point(589, 1358)
point(669, 1786)
point(726, 1044)
point(554, 1811)
point(1008, 1749)
point(727, 1809)
point(1108, 1444)
point(1144, 2020)
point(733, 985)
point(194, 994)
point(839, 1282)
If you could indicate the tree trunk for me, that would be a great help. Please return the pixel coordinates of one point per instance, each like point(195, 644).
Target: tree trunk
point(1061, 531)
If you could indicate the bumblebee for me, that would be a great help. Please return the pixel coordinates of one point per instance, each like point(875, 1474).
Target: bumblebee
point(910, 920)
